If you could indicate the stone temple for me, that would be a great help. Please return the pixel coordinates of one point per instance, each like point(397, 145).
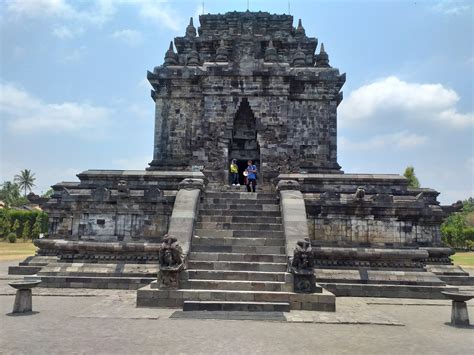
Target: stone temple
point(245, 85)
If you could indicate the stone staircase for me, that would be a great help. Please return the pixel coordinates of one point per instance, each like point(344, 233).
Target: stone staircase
point(237, 261)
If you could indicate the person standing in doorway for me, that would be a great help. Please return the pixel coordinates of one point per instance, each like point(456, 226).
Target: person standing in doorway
point(252, 176)
point(234, 173)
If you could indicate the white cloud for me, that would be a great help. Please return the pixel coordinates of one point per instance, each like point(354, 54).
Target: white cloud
point(24, 113)
point(85, 13)
point(397, 140)
point(392, 98)
point(65, 32)
point(98, 12)
point(74, 55)
point(141, 112)
point(160, 12)
point(130, 37)
point(39, 8)
point(450, 7)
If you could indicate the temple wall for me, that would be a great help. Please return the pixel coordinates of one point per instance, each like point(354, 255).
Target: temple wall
point(313, 134)
point(114, 205)
point(174, 136)
point(350, 230)
point(385, 212)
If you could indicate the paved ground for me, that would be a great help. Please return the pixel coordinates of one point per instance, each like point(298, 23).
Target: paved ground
point(106, 321)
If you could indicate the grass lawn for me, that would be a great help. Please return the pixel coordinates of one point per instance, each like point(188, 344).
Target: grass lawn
point(16, 251)
point(463, 258)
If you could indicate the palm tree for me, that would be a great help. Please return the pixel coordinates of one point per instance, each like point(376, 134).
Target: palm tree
point(25, 180)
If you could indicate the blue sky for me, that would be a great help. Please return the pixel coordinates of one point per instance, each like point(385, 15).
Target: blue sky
point(74, 94)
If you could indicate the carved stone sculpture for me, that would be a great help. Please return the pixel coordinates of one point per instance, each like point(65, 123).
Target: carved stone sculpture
point(303, 258)
point(301, 266)
point(171, 263)
point(170, 255)
point(122, 188)
point(359, 194)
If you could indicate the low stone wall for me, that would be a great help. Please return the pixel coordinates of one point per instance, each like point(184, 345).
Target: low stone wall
point(369, 210)
point(369, 257)
point(99, 252)
point(115, 205)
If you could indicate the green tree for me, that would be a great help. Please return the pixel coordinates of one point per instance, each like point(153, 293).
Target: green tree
point(458, 229)
point(16, 226)
point(26, 230)
point(37, 227)
point(468, 205)
point(5, 223)
point(25, 180)
point(410, 175)
point(48, 193)
point(452, 230)
point(10, 193)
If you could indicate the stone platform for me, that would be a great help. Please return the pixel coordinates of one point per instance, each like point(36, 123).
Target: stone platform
point(149, 296)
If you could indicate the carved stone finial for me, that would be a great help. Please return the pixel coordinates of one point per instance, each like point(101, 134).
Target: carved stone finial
point(191, 30)
point(322, 60)
point(300, 29)
point(193, 56)
point(299, 58)
point(170, 57)
point(271, 53)
point(221, 53)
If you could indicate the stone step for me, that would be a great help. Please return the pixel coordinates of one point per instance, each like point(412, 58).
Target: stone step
point(122, 283)
point(393, 277)
point(247, 249)
point(229, 241)
point(23, 270)
point(458, 280)
point(236, 306)
point(238, 207)
point(240, 234)
point(271, 258)
point(389, 291)
point(151, 296)
point(235, 213)
point(238, 285)
point(236, 265)
point(240, 226)
point(240, 195)
point(240, 219)
point(238, 275)
point(223, 201)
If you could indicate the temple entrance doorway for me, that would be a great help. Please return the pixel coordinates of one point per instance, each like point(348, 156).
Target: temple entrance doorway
point(244, 145)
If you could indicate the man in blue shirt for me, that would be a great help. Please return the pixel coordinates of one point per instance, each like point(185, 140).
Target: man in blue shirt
point(252, 176)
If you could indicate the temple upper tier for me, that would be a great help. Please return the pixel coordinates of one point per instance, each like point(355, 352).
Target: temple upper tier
point(246, 85)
